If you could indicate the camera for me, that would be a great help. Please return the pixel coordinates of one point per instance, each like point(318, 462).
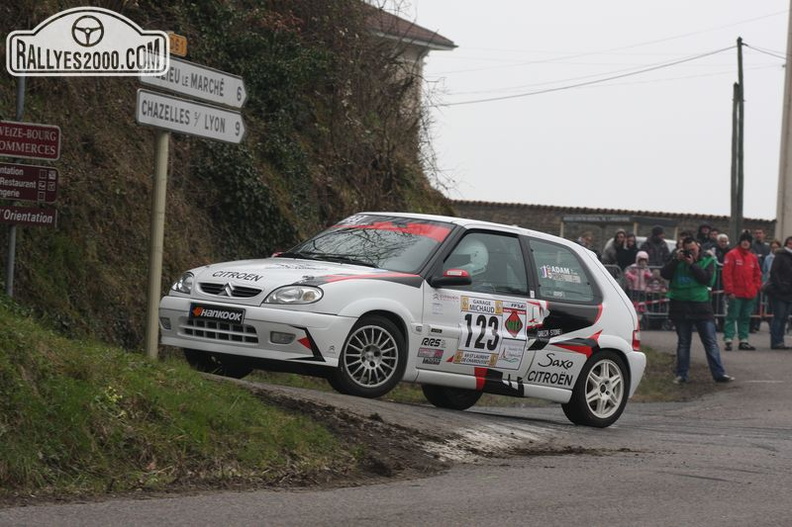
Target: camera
point(686, 253)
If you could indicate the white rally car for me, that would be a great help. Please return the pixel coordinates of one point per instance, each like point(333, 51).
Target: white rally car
point(460, 306)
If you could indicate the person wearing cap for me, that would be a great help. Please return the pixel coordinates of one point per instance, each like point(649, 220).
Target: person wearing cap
point(742, 281)
point(656, 247)
point(691, 275)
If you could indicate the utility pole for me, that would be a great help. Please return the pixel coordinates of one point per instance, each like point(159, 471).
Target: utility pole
point(784, 205)
point(738, 129)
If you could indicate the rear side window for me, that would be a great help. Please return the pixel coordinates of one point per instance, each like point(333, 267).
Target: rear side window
point(561, 275)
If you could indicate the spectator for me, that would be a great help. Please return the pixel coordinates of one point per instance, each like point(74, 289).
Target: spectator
point(587, 240)
point(637, 275)
point(680, 239)
point(779, 289)
point(703, 235)
point(742, 281)
point(761, 250)
point(721, 248)
point(718, 302)
point(768, 261)
point(610, 255)
point(627, 256)
point(713, 239)
point(691, 274)
point(655, 285)
point(656, 247)
point(759, 247)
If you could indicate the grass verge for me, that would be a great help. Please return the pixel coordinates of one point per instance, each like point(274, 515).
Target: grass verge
point(83, 418)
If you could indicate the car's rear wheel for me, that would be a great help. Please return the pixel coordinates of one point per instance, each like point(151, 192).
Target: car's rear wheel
point(373, 359)
point(217, 363)
point(601, 391)
point(451, 398)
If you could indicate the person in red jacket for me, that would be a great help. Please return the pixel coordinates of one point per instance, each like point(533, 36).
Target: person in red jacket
point(742, 280)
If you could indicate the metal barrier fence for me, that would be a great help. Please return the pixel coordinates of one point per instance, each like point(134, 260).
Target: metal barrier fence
point(652, 307)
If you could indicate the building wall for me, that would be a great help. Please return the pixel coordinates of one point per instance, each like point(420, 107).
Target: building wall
point(550, 219)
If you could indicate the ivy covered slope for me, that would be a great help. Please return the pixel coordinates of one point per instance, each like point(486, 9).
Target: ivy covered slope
point(329, 134)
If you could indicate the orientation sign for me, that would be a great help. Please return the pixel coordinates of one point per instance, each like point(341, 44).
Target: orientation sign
point(30, 140)
point(201, 82)
point(28, 183)
point(30, 216)
point(188, 117)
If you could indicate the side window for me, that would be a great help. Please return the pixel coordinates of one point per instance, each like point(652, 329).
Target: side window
point(561, 274)
point(494, 261)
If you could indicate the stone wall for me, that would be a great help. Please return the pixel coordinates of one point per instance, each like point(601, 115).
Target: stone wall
point(571, 222)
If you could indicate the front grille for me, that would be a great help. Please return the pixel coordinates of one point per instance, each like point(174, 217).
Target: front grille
point(222, 331)
point(234, 291)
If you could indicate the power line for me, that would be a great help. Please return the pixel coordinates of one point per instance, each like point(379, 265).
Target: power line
point(589, 83)
point(767, 52)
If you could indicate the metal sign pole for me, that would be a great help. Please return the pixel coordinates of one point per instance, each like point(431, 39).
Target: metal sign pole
point(157, 242)
point(11, 257)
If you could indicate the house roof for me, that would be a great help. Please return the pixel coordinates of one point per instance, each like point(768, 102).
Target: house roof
point(387, 25)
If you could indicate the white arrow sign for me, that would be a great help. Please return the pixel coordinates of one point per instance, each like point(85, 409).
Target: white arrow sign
point(193, 118)
point(201, 82)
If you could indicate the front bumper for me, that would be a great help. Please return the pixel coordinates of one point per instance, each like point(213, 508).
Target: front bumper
point(273, 333)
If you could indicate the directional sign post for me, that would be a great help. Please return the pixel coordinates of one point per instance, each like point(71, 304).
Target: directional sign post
point(30, 140)
point(175, 114)
point(201, 82)
point(28, 183)
point(187, 117)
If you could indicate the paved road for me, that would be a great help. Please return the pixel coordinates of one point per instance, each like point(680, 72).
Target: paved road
point(724, 460)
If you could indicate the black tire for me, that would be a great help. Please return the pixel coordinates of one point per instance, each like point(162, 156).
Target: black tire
point(373, 359)
point(451, 398)
point(217, 363)
point(601, 391)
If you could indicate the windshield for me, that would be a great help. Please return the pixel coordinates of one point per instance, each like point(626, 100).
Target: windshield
point(386, 242)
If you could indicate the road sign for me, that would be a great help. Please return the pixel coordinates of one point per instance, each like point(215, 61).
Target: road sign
point(178, 44)
point(201, 82)
point(29, 140)
point(31, 216)
point(28, 183)
point(188, 117)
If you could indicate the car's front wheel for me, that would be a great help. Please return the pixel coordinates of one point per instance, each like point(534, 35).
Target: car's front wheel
point(373, 359)
point(217, 363)
point(451, 398)
point(601, 391)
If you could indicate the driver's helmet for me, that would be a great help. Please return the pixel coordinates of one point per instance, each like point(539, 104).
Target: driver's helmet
point(478, 254)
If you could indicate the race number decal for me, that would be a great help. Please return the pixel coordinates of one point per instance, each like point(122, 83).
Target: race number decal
point(493, 333)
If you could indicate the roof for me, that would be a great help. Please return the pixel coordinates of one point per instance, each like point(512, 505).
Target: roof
point(391, 26)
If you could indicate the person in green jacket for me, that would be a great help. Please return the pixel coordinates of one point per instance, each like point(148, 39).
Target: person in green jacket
point(691, 276)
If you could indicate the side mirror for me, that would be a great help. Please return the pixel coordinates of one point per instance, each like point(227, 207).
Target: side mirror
point(451, 277)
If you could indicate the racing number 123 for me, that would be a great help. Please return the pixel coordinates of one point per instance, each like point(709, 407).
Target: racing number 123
point(482, 322)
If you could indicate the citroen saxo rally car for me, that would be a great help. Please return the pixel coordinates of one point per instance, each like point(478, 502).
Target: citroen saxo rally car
point(460, 306)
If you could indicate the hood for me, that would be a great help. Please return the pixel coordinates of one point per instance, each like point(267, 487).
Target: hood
point(252, 278)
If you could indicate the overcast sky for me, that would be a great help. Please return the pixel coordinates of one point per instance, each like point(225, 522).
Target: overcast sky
point(653, 141)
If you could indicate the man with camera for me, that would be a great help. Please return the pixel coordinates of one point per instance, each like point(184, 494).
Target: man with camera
point(691, 276)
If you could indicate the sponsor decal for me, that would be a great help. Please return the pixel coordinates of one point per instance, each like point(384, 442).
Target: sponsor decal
point(433, 342)
point(511, 354)
point(493, 327)
point(550, 378)
point(559, 274)
point(431, 360)
point(433, 353)
point(87, 41)
point(220, 314)
point(238, 275)
point(555, 368)
point(471, 358)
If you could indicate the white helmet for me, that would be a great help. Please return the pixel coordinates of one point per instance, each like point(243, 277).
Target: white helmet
point(478, 254)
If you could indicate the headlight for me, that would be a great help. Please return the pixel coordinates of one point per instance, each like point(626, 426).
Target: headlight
point(184, 284)
point(294, 294)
